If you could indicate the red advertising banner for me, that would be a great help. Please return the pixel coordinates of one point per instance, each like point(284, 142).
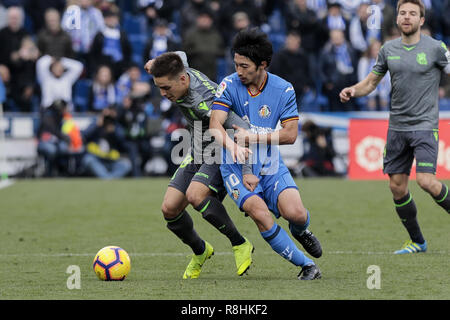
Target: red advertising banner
point(367, 141)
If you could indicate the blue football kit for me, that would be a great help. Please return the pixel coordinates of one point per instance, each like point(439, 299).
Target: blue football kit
point(274, 103)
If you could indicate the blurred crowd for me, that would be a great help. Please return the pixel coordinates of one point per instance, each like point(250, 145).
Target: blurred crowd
point(61, 57)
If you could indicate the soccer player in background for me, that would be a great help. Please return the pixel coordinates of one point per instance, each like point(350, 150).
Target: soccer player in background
point(263, 99)
point(198, 184)
point(415, 62)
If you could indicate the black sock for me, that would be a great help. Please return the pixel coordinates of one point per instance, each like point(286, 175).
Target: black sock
point(407, 211)
point(443, 199)
point(215, 213)
point(183, 227)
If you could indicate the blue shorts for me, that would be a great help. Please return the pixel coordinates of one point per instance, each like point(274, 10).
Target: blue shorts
point(269, 187)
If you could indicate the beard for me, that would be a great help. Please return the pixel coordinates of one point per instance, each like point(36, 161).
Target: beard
point(413, 30)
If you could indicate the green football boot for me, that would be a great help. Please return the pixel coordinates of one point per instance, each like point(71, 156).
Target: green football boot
point(243, 256)
point(195, 266)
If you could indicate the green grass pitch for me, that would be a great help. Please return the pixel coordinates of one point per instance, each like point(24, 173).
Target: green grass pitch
point(48, 225)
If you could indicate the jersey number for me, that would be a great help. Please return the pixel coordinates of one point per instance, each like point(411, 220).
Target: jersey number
point(232, 181)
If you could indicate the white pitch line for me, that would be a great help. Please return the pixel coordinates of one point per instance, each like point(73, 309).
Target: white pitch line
point(178, 254)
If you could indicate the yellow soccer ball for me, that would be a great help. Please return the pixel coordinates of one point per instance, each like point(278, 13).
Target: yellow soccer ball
point(112, 264)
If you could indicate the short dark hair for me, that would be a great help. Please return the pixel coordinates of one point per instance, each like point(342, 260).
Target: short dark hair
point(417, 2)
point(168, 64)
point(253, 44)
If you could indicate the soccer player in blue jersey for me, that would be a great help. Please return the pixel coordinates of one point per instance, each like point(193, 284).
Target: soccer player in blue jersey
point(263, 100)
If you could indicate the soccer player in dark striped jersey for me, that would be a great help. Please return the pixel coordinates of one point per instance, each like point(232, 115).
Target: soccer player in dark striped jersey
point(415, 62)
point(196, 182)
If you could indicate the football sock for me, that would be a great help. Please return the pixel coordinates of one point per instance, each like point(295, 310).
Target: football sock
point(407, 211)
point(280, 242)
point(443, 199)
point(297, 230)
point(183, 227)
point(215, 213)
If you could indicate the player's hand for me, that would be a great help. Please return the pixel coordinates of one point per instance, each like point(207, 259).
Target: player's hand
point(250, 181)
point(242, 136)
point(346, 94)
point(239, 154)
point(148, 65)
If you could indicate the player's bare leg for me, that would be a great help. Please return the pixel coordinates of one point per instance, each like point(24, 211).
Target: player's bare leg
point(291, 208)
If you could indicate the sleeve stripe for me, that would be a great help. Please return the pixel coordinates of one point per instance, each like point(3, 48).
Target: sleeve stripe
point(220, 106)
point(289, 119)
point(378, 73)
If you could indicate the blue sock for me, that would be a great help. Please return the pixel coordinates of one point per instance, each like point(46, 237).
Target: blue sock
point(297, 230)
point(280, 242)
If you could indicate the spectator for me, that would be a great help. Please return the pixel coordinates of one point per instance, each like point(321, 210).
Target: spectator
point(23, 69)
point(377, 100)
point(90, 23)
point(161, 40)
point(337, 67)
point(229, 8)
point(155, 10)
point(203, 45)
point(136, 122)
point(11, 37)
point(37, 11)
point(304, 20)
point(361, 32)
point(291, 63)
point(56, 77)
point(105, 147)
point(111, 46)
point(125, 83)
point(318, 151)
point(53, 40)
point(57, 140)
point(103, 92)
point(12, 34)
point(334, 20)
point(189, 12)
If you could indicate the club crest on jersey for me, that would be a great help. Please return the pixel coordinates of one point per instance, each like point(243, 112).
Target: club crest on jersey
point(220, 89)
point(264, 112)
point(422, 58)
point(235, 194)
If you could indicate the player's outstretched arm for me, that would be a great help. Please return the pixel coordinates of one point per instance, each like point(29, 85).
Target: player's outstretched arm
point(362, 88)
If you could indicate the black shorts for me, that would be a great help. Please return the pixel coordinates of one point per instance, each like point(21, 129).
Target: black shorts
point(207, 174)
point(403, 146)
